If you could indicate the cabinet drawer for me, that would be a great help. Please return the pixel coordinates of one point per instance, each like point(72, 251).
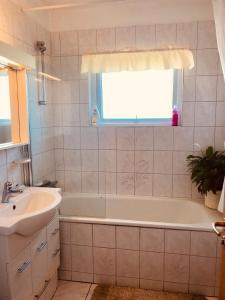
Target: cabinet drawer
point(39, 256)
point(53, 246)
point(53, 254)
point(48, 290)
point(53, 227)
point(19, 276)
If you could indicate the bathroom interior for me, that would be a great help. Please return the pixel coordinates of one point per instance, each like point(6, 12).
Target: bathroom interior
point(112, 139)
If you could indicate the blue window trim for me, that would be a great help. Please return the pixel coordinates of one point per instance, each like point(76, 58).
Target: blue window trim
point(96, 104)
point(5, 122)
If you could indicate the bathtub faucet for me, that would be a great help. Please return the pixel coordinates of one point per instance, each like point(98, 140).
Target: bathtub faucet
point(10, 191)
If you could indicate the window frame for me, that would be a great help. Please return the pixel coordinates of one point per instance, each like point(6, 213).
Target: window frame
point(96, 104)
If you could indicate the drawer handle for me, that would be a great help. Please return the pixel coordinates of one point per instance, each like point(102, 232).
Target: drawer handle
point(23, 267)
point(43, 289)
point(55, 231)
point(42, 246)
point(56, 252)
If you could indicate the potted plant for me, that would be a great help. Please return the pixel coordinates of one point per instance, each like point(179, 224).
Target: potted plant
point(207, 172)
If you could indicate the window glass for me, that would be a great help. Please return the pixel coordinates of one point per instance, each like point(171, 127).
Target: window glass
point(137, 95)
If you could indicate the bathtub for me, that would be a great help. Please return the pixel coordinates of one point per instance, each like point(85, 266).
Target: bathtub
point(137, 211)
point(147, 242)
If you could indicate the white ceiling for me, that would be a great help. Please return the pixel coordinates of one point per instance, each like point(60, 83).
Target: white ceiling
point(55, 4)
point(85, 14)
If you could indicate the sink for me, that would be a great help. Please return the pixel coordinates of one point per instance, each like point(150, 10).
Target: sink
point(30, 211)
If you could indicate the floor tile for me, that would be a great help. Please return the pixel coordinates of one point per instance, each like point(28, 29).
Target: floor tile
point(68, 290)
point(93, 286)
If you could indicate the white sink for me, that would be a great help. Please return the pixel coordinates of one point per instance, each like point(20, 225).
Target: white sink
point(30, 211)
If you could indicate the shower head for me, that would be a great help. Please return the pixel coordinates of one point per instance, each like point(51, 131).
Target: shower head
point(40, 45)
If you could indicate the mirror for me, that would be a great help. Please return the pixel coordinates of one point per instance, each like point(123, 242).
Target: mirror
point(5, 107)
point(14, 127)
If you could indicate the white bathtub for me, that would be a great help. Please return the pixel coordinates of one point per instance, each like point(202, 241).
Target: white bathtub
point(137, 211)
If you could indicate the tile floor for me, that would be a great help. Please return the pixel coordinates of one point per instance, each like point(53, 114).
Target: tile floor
point(69, 290)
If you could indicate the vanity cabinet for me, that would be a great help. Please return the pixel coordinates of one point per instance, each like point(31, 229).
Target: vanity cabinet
point(20, 276)
point(28, 265)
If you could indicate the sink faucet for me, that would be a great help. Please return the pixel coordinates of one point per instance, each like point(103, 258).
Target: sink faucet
point(10, 191)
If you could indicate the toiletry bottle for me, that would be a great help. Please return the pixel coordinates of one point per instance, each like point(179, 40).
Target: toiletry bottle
point(94, 120)
point(175, 116)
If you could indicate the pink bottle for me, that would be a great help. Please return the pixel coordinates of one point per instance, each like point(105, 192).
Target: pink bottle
point(175, 116)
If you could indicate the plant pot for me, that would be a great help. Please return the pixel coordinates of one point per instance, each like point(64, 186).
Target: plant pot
point(212, 200)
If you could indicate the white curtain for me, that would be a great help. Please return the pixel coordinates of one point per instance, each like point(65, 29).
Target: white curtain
point(137, 61)
point(219, 16)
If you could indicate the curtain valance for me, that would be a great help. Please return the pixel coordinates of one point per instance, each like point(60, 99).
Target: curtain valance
point(137, 61)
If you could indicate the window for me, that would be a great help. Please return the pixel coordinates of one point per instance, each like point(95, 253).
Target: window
point(136, 97)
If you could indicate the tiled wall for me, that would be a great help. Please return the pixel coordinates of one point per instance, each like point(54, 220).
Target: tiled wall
point(18, 30)
point(143, 160)
point(161, 259)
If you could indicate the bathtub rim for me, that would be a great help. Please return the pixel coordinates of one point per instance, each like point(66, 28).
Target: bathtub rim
point(131, 223)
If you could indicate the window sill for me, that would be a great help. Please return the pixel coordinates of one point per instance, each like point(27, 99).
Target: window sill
point(134, 124)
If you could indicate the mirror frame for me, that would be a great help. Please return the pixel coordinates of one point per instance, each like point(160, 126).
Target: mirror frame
point(18, 62)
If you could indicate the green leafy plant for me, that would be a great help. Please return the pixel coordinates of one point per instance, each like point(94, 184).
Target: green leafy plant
point(207, 170)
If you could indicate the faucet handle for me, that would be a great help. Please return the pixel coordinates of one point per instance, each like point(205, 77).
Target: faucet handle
point(8, 185)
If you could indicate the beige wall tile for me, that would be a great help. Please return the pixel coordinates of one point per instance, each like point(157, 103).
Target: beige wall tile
point(107, 138)
point(69, 43)
point(206, 88)
point(64, 275)
point(125, 138)
point(151, 285)
point(106, 39)
point(176, 287)
point(104, 236)
point(207, 60)
point(187, 35)
point(66, 258)
point(151, 265)
point(125, 161)
point(127, 263)
point(82, 259)
point(125, 281)
point(145, 36)
point(144, 138)
point(206, 35)
point(89, 138)
point(125, 37)
point(107, 160)
point(82, 277)
point(125, 183)
point(181, 186)
point(127, 237)
point(143, 161)
point(176, 268)
point(177, 241)
point(152, 239)
point(81, 234)
point(89, 160)
point(104, 279)
point(104, 261)
point(220, 89)
point(203, 244)
point(202, 270)
point(89, 182)
point(107, 183)
point(202, 290)
point(64, 232)
point(143, 184)
point(163, 162)
point(162, 185)
point(220, 111)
